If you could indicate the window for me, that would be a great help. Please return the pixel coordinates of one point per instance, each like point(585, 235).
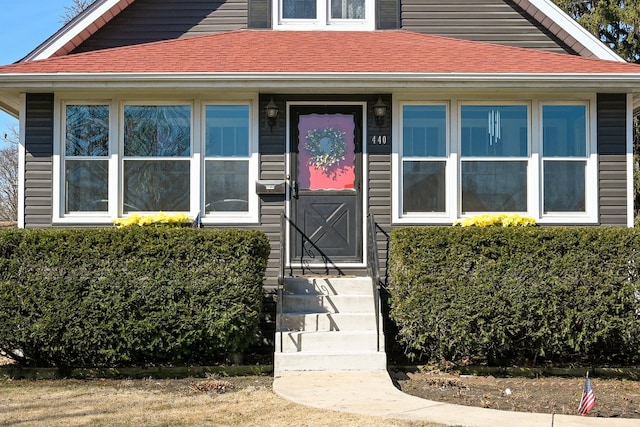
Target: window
point(157, 153)
point(118, 158)
point(535, 158)
point(424, 158)
point(227, 155)
point(324, 14)
point(494, 158)
point(564, 157)
point(86, 158)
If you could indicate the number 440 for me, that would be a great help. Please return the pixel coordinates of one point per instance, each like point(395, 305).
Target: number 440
point(379, 140)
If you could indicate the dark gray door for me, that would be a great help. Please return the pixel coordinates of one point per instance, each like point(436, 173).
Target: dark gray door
point(326, 145)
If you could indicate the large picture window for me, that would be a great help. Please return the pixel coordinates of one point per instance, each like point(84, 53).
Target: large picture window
point(494, 154)
point(123, 157)
point(157, 152)
point(533, 158)
point(86, 158)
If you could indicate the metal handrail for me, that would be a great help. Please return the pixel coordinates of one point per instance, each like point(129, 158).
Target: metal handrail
point(373, 268)
point(283, 230)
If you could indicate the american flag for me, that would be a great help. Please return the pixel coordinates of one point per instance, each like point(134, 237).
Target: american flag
point(588, 399)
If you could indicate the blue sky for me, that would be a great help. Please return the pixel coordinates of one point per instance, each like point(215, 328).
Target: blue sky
point(26, 24)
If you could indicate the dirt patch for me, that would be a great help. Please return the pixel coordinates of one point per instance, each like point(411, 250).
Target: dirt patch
point(552, 395)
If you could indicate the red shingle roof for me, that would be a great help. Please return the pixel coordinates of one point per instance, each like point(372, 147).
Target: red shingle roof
point(266, 51)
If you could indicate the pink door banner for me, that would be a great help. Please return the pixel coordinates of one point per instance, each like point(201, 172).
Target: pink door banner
point(326, 159)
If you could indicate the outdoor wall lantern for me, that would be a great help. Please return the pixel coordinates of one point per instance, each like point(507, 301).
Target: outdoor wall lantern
point(271, 110)
point(379, 111)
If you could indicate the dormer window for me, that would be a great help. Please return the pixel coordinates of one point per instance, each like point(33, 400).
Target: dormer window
point(324, 14)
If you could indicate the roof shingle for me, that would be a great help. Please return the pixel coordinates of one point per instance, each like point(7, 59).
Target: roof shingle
point(266, 51)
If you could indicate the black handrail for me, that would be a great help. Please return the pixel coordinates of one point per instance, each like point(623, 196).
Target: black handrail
point(283, 230)
point(373, 263)
point(373, 269)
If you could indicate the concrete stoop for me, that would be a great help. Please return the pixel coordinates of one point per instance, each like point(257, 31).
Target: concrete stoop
point(329, 324)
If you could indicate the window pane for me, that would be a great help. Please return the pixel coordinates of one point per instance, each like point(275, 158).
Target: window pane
point(423, 187)
point(424, 131)
point(347, 9)
point(86, 185)
point(494, 131)
point(564, 130)
point(87, 130)
point(156, 185)
point(227, 132)
point(564, 186)
point(227, 186)
point(157, 130)
point(299, 9)
point(494, 186)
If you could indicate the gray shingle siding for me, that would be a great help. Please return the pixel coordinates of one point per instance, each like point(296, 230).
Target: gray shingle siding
point(147, 21)
point(38, 160)
point(494, 21)
point(612, 167)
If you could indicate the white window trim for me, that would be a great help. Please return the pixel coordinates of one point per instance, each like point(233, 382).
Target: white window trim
point(120, 142)
point(531, 174)
point(534, 159)
point(59, 215)
point(323, 20)
point(590, 215)
point(252, 215)
point(396, 173)
point(116, 159)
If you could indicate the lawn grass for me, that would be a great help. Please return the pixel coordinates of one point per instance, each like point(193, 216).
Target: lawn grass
point(247, 401)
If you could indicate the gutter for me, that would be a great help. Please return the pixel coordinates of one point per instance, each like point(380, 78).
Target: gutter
point(294, 80)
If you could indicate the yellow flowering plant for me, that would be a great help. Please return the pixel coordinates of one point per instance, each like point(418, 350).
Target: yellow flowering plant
point(155, 220)
point(497, 220)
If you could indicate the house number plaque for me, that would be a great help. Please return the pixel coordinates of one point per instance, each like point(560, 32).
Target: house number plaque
point(379, 144)
point(379, 140)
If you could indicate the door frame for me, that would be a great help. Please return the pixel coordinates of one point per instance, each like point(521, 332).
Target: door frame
point(364, 179)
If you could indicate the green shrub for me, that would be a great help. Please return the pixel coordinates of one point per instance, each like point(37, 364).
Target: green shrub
point(496, 295)
point(136, 296)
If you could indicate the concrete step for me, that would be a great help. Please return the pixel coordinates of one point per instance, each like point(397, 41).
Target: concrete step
point(310, 322)
point(365, 361)
point(328, 324)
point(328, 342)
point(328, 286)
point(328, 304)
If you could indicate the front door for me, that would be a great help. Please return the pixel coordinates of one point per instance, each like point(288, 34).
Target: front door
point(326, 174)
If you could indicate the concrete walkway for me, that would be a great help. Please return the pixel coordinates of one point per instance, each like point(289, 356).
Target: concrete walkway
point(373, 393)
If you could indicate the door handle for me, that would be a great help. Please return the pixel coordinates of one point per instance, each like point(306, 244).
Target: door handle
point(294, 189)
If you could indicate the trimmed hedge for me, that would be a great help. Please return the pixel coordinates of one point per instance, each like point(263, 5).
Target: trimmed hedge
point(501, 295)
point(131, 297)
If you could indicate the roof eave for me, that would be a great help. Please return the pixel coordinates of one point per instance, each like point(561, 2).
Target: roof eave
point(567, 28)
point(12, 85)
point(283, 80)
point(78, 29)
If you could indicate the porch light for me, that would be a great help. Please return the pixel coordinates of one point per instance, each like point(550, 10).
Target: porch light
point(271, 110)
point(379, 111)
